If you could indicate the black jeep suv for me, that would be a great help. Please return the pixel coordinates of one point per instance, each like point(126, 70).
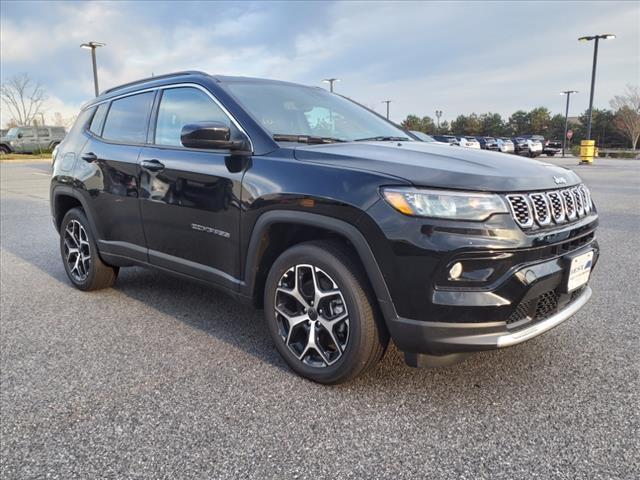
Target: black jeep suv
point(346, 231)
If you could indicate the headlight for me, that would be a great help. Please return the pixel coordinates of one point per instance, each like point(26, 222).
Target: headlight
point(444, 204)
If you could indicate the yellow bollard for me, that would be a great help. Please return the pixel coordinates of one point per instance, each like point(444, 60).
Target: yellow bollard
point(587, 151)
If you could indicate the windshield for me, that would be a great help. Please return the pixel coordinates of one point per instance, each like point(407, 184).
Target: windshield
point(12, 133)
point(294, 110)
point(423, 136)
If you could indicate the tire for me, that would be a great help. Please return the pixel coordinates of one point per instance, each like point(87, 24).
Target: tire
point(4, 149)
point(349, 336)
point(84, 267)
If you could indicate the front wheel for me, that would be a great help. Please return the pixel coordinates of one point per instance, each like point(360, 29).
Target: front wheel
point(321, 313)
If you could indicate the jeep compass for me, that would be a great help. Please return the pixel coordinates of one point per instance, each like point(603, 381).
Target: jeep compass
point(346, 231)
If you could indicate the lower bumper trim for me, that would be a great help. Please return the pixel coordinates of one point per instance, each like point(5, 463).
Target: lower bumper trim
point(544, 325)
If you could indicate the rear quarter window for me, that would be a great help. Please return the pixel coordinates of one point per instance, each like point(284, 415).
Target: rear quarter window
point(127, 119)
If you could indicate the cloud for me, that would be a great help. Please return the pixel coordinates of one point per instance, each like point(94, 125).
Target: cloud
point(454, 56)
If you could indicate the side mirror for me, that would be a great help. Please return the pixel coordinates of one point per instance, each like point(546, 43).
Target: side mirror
point(20, 135)
point(212, 135)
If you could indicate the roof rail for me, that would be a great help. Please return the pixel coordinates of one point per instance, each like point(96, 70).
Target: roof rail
point(149, 79)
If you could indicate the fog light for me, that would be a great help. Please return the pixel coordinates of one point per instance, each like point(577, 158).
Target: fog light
point(455, 271)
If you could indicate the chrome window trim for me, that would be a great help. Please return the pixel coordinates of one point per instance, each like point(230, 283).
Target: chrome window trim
point(177, 85)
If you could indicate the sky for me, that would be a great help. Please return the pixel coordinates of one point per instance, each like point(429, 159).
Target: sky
point(458, 57)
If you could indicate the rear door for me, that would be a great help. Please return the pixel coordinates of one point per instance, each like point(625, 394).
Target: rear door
point(44, 138)
point(116, 135)
point(190, 198)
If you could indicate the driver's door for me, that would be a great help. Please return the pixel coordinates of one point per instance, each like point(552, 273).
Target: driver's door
point(190, 199)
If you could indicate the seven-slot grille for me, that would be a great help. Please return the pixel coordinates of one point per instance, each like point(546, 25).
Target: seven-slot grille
point(545, 208)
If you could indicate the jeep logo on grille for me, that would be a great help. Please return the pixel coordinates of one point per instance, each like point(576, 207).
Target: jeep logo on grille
point(560, 180)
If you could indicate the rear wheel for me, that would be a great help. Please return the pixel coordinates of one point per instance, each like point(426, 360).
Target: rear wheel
point(321, 314)
point(80, 257)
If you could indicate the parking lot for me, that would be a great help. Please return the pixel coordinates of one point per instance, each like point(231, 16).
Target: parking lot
point(160, 378)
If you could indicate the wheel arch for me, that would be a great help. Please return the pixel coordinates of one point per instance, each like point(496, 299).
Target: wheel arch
point(263, 250)
point(65, 198)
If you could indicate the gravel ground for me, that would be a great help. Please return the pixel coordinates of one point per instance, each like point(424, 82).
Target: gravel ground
point(159, 378)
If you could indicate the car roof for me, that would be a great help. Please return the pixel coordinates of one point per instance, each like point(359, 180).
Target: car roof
point(180, 77)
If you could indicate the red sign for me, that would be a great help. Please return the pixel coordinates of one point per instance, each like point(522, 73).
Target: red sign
point(569, 134)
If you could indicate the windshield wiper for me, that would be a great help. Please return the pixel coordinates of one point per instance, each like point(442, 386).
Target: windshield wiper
point(382, 139)
point(311, 140)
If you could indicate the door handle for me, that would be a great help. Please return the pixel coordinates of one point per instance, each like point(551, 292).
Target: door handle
point(89, 157)
point(152, 165)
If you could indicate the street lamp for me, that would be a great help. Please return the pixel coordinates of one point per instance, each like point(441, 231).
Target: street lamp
point(92, 46)
point(597, 38)
point(387, 102)
point(438, 115)
point(331, 81)
point(566, 118)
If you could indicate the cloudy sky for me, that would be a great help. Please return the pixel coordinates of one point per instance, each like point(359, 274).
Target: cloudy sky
point(458, 57)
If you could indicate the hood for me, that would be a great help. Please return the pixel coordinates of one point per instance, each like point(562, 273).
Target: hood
point(442, 166)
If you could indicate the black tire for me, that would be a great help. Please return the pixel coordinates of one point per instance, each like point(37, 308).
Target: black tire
point(4, 149)
point(93, 273)
point(367, 337)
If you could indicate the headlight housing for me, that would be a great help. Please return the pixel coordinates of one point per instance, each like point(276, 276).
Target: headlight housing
point(454, 205)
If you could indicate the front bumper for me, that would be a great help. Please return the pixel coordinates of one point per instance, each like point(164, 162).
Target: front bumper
point(437, 338)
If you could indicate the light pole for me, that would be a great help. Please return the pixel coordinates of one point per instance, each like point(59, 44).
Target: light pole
point(593, 71)
point(92, 46)
point(331, 81)
point(566, 118)
point(438, 115)
point(387, 102)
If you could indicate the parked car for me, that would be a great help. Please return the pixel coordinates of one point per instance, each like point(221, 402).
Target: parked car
point(488, 143)
point(535, 147)
point(426, 138)
point(345, 230)
point(468, 142)
point(505, 145)
point(521, 146)
point(549, 147)
point(31, 139)
point(450, 139)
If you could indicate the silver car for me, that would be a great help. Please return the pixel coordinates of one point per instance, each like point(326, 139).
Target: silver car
point(31, 139)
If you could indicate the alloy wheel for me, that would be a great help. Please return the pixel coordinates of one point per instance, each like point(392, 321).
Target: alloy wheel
point(77, 250)
point(311, 315)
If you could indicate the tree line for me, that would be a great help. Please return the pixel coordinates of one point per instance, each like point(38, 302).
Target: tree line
point(618, 127)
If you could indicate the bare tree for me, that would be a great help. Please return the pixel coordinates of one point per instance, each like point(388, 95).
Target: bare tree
point(23, 97)
point(60, 121)
point(627, 116)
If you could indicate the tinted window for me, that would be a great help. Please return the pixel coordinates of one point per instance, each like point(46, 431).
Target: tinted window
point(127, 119)
point(27, 132)
point(98, 119)
point(182, 106)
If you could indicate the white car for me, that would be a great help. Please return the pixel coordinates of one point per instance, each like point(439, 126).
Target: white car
point(535, 147)
point(505, 145)
point(469, 142)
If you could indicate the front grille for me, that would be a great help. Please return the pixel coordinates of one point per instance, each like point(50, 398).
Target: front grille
point(541, 307)
point(546, 208)
point(547, 304)
point(521, 210)
point(569, 204)
point(540, 206)
point(557, 209)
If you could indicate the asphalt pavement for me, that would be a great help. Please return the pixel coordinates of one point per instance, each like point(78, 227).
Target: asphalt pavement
point(161, 378)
